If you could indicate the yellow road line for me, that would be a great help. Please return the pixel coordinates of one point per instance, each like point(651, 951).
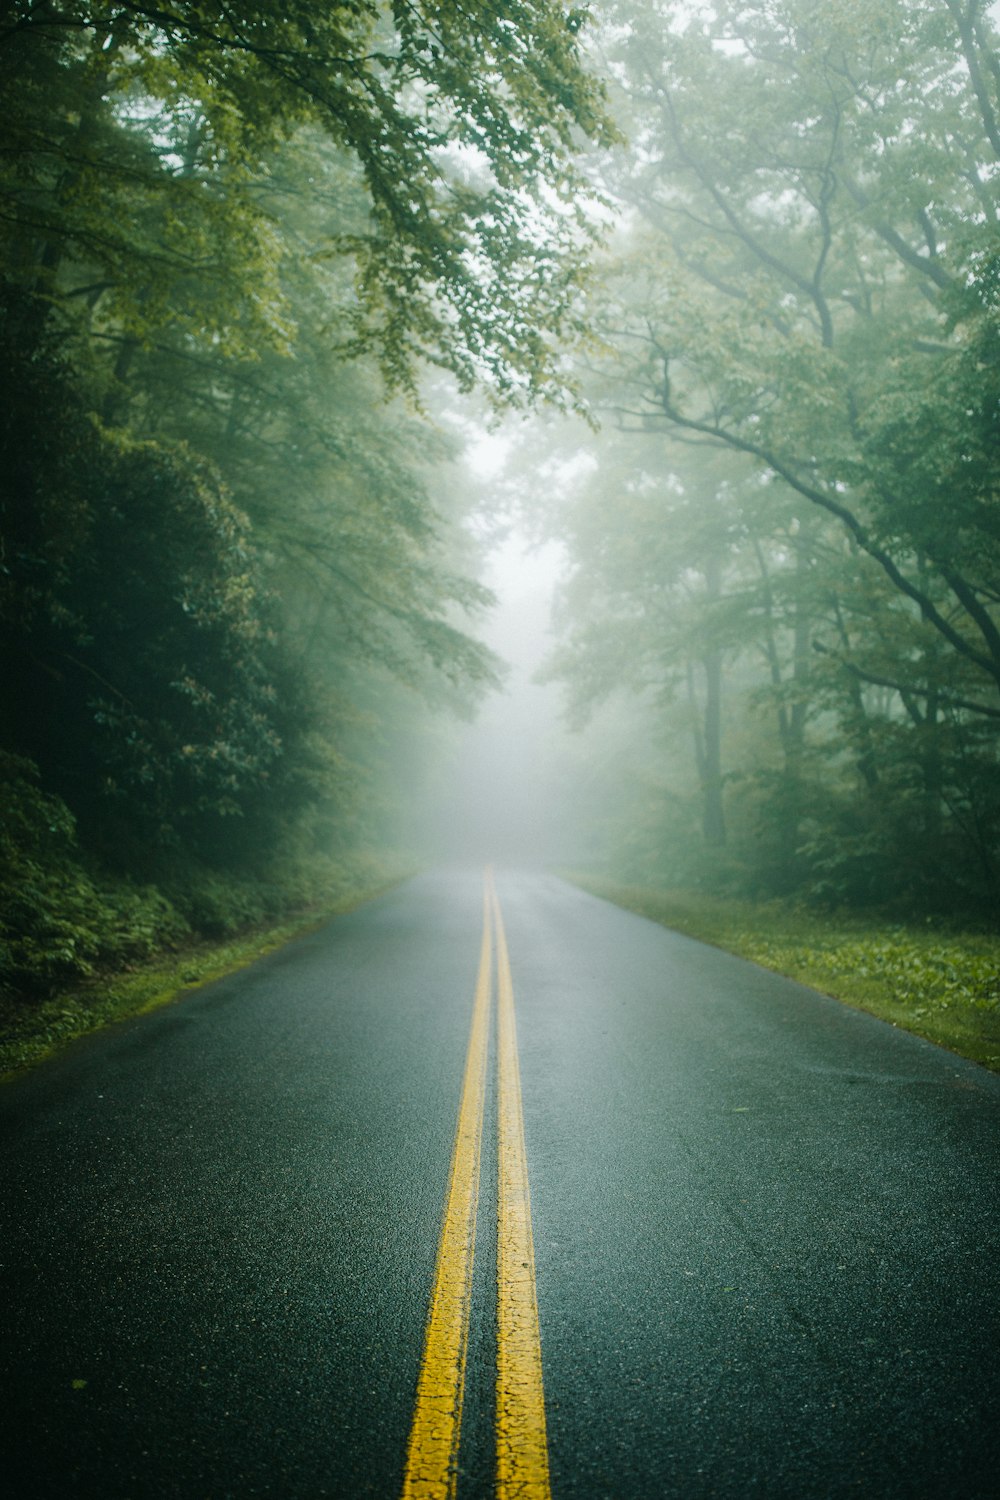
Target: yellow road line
point(432, 1455)
point(522, 1448)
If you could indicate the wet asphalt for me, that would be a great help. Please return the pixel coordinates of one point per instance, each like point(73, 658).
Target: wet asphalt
point(766, 1226)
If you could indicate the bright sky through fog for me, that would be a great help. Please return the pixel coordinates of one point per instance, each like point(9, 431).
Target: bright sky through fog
point(500, 802)
point(487, 454)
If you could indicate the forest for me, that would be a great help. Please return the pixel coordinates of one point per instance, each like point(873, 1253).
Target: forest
point(786, 548)
point(728, 277)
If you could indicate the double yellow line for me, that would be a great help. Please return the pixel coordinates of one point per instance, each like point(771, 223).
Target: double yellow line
point(522, 1465)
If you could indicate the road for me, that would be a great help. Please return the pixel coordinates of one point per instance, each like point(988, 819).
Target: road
point(754, 1249)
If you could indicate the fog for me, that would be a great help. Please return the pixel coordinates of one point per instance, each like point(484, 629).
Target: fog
point(736, 356)
point(500, 788)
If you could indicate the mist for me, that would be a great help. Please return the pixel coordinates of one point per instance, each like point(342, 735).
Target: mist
point(500, 789)
point(739, 361)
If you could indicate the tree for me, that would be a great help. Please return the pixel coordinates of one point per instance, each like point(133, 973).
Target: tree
point(336, 480)
point(805, 277)
point(142, 667)
point(818, 190)
point(136, 171)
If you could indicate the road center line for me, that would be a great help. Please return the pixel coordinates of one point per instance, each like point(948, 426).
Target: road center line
point(431, 1460)
point(522, 1448)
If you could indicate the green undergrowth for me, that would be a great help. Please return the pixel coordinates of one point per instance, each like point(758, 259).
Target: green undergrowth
point(32, 1030)
point(936, 981)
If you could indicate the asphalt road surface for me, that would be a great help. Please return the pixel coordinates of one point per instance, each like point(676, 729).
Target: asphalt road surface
point(764, 1226)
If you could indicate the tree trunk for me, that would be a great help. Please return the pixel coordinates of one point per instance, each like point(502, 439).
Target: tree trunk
point(708, 727)
point(713, 812)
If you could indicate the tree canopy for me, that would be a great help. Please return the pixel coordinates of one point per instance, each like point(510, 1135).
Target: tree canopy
point(249, 257)
point(139, 167)
point(236, 246)
point(805, 278)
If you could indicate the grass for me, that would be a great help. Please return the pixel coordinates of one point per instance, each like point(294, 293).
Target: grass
point(935, 981)
point(32, 1031)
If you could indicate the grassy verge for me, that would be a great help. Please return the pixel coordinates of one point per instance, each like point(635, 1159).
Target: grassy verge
point(939, 983)
point(30, 1032)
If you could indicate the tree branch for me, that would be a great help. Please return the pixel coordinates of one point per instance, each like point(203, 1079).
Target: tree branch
point(965, 22)
point(989, 664)
point(948, 700)
point(808, 286)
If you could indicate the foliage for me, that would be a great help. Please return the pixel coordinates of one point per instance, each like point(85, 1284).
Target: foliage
point(60, 922)
point(231, 565)
point(819, 190)
point(66, 919)
point(143, 627)
point(790, 541)
point(29, 1032)
point(143, 140)
point(344, 490)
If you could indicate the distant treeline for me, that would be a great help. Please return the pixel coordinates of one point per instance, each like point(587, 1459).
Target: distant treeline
point(233, 242)
point(788, 549)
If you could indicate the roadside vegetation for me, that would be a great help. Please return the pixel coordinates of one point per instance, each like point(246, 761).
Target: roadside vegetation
point(155, 971)
point(253, 265)
point(250, 262)
point(783, 547)
point(929, 977)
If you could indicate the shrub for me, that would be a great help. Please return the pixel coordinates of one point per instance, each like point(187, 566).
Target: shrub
point(59, 922)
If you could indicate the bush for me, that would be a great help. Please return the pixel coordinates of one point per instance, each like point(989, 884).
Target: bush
point(65, 919)
point(60, 922)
